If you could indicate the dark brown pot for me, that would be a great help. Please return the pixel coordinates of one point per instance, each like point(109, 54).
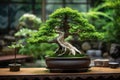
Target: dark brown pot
point(68, 64)
point(14, 67)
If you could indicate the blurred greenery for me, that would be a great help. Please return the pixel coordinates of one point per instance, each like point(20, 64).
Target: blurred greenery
point(105, 18)
point(113, 31)
point(112, 26)
point(38, 51)
point(30, 21)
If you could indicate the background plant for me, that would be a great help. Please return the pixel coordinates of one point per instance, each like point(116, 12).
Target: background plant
point(113, 30)
point(98, 17)
point(29, 21)
point(108, 19)
point(28, 24)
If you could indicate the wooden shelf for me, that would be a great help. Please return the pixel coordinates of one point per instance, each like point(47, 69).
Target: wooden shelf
point(12, 57)
point(43, 74)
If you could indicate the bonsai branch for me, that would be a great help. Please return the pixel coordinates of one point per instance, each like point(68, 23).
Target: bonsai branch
point(65, 45)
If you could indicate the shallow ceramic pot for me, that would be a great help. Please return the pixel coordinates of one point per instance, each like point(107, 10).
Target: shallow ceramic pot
point(14, 67)
point(68, 64)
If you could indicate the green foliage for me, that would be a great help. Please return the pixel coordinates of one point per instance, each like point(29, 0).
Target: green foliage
point(69, 20)
point(92, 36)
point(98, 18)
point(38, 51)
point(44, 34)
point(95, 14)
point(27, 25)
point(105, 18)
point(25, 32)
point(17, 44)
point(30, 21)
point(112, 3)
point(113, 28)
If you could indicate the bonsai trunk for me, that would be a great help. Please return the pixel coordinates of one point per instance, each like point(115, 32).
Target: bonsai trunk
point(16, 50)
point(66, 26)
point(15, 66)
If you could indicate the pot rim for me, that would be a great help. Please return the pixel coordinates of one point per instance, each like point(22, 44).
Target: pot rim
point(14, 64)
point(65, 58)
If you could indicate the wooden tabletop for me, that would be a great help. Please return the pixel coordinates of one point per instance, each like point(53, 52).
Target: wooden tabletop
point(44, 71)
point(94, 73)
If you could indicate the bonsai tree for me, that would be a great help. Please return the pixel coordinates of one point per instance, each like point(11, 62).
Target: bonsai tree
point(15, 45)
point(63, 24)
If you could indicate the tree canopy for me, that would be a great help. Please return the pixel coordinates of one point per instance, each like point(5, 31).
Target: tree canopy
point(69, 21)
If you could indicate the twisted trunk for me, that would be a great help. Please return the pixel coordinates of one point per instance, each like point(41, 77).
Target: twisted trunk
point(66, 26)
point(65, 45)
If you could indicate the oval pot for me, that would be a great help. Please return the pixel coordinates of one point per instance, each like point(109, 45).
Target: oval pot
point(68, 64)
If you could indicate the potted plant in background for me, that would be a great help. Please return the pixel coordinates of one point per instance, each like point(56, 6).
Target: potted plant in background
point(15, 66)
point(65, 24)
point(28, 24)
